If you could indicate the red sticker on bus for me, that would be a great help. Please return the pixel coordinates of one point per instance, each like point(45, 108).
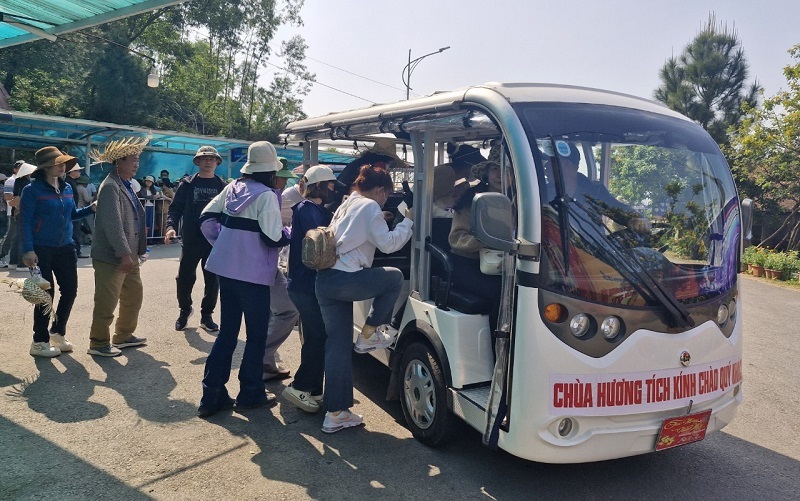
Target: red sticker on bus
point(683, 430)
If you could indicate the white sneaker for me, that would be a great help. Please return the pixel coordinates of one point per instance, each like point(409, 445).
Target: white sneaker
point(44, 350)
point(301, 399)
point(12, 266)
point(345, 419)
point(58, 341)
point(382, 338)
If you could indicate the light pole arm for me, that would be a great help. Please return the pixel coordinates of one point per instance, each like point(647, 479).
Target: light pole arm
point(412, 64)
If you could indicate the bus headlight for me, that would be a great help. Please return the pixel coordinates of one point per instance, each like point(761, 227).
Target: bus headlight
point(579, 325)
point(722, 314)
point(610, 327)
point(732, 310)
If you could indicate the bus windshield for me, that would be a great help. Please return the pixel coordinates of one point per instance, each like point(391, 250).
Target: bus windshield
point(638, 208)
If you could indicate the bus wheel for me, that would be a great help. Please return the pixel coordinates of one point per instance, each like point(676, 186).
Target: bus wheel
point(424, 397)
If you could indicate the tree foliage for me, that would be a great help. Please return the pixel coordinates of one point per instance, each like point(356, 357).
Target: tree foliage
point(707, 82)
point(765, 154)
point(221, 73)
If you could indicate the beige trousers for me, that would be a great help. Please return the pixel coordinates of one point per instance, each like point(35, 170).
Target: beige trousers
point(111, 287)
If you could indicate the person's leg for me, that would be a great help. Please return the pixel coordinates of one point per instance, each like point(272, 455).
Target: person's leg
point(14, 250)
point(218, 364)
point(107, 287)
point(255, 304)
point(384, 284)
point(211, 284)
point(41, 320)
point(65, 268)
point(337, 315)
point(310, 374)
point(282, 321)
point(130, 302)
point(187, 275)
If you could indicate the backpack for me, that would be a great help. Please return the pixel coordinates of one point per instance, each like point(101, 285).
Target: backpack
point(319, 248)
point(319, 244)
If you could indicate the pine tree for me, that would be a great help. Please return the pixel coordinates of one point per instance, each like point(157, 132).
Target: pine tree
point(707, 82)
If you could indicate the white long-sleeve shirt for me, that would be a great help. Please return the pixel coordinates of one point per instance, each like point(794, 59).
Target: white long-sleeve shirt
point(360, 229)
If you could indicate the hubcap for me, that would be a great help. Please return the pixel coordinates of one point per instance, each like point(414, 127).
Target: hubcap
point(419, 393)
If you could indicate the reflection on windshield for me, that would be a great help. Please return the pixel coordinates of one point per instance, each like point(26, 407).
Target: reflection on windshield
point(652, 223)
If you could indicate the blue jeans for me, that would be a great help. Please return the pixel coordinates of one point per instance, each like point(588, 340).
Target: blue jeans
point(336, 291)
point(63, 263)
point(310, 374)
point(238, 298)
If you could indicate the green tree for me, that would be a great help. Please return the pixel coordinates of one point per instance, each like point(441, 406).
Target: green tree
point(765, 154)
point(708, 81)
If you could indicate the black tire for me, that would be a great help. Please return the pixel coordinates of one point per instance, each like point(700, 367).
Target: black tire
point(423, 395)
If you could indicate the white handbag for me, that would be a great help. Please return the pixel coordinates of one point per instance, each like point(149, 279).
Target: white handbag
point(491, 261)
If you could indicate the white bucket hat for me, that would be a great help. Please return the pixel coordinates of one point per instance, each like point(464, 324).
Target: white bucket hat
point(25, 169)
point(261, 157)
point(318, 174)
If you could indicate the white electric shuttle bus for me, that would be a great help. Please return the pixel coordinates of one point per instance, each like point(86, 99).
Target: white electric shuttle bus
point(614, 337)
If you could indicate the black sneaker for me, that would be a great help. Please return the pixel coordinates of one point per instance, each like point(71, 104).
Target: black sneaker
point(183, 317)
point(269, 401)
point(207, 323)
point(205, 411)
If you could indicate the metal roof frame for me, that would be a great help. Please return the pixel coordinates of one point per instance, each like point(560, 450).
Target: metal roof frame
point(31, 20)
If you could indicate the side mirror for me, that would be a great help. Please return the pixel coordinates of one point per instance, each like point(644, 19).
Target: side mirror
point(747, 221)
point(493, 221)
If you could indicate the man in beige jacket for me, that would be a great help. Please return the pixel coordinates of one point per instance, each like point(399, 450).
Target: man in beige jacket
point(119, 240)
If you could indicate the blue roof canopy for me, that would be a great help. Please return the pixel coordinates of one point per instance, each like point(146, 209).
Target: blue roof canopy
point(167, 150)
point(29, 20)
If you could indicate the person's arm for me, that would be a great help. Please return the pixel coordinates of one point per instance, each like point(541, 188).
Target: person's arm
point(110, 220)
point(388, 241)
point(210, 217)
point(461, 237)
point(273, 234)
point(175, 212)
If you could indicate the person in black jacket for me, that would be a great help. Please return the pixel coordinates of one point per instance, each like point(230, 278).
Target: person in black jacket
point(191, 198)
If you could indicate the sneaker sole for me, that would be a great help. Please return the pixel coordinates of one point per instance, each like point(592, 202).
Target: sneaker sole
point(359, 349)
point(300, 404)
point(128, 345)
point(45, 355)
point(207, 328)
point(101, 354)
point(341, 427)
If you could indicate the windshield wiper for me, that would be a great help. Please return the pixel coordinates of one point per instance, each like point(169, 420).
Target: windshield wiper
point(563, 205)
point(644, 279)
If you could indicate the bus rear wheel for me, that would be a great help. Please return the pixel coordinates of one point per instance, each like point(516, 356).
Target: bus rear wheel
point(424, 396)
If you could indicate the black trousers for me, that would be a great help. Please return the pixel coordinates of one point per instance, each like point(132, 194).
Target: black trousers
point(62, 263)
point(193, 254)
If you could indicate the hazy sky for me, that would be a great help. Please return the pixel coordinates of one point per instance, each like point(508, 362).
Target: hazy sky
point(608, 44)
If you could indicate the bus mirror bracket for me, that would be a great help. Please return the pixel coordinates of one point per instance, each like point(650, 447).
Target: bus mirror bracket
point(493, 225)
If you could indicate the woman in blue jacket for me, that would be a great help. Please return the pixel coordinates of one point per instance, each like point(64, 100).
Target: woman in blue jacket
point(305, 392)
point(47, 210)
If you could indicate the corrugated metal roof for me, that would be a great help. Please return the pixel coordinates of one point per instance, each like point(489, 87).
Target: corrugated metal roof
point(54, 17)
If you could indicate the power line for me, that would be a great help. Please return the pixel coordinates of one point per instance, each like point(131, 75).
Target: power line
point(322, 84)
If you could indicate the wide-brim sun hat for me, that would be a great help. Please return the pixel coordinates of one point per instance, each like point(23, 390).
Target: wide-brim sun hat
point(76, 168)
point(207, 151)
point(50, 156)
point(261, 157)
point(25, 169)
point(119, 148)
point(285, 171)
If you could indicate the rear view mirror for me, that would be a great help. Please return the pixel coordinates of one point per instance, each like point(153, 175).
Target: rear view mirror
point(747, 221)
point(493, 221)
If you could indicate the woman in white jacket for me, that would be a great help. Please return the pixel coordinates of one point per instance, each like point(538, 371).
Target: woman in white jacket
point(360, 228)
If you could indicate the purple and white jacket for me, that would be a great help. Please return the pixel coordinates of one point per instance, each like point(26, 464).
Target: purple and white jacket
point(243, 224)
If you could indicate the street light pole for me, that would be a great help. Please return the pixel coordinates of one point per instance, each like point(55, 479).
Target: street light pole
point(412, 64)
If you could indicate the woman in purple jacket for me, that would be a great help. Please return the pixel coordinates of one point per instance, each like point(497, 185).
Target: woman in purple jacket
point(243, 224)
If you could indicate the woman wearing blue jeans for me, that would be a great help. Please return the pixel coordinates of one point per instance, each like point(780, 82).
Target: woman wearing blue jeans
point(360, 229)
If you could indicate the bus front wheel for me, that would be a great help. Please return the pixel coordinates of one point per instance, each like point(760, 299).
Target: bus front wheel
point(424, 396)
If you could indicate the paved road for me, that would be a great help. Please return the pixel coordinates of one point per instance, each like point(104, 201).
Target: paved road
point(80, 428)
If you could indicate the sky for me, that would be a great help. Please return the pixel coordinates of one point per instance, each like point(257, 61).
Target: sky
point(607, 44)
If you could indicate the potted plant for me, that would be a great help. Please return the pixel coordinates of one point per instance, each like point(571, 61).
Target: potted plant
point(759, 257)
point(773, 264)
point(748, 258)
